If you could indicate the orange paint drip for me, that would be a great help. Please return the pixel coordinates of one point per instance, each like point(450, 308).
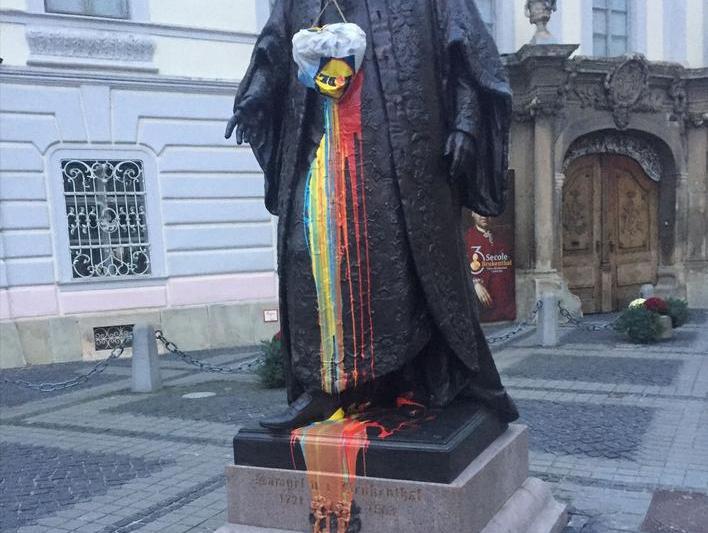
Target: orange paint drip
point(331, 451)
point(331, 447)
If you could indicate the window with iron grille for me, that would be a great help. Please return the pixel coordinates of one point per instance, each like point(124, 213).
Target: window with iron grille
point(108, 337)
point(93, 8)
point(106, 219)
point(610, 20)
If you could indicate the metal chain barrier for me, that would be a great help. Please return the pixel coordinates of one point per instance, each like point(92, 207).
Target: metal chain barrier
point(576, 322)
point(257, 361)
point(520, 327)
point(78, 380)
point(203, 365)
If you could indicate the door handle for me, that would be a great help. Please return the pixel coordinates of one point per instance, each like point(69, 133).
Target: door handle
point(597, 247)
point(612, 247)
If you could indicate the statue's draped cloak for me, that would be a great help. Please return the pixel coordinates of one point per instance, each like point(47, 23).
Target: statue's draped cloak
point(437, 66)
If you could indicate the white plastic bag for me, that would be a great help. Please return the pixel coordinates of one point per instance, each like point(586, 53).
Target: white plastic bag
point(328, 58)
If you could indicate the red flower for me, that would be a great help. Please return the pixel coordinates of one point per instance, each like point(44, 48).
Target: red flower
point(656, 305)
point(278, 336)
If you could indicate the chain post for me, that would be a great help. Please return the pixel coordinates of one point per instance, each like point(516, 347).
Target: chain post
point(547, 324)
point(145, 366)
point(520, 328)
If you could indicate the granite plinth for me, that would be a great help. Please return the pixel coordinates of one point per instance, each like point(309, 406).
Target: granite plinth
point(493, 494)
point(435, 448)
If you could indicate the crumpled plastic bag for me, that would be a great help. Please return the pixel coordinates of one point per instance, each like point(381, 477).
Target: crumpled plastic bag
point(329, 57)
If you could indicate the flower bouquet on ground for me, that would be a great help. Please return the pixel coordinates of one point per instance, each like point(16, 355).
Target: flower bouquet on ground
point(646, 321)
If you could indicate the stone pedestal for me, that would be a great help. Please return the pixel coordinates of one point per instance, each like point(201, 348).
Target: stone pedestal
point(493, 494)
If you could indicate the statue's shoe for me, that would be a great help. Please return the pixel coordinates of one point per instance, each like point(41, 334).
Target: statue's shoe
point(309, 407)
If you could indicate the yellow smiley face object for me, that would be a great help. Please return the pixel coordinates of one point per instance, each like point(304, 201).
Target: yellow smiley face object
point(334, 77)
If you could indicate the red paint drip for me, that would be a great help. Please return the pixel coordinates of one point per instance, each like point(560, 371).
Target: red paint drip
point(351, 194)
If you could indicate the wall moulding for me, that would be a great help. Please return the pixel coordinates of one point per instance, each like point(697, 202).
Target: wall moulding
point(72, 77)
point(90, 49)
point(37, 17)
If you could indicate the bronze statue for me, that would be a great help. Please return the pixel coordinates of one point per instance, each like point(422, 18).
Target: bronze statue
point(375, 294)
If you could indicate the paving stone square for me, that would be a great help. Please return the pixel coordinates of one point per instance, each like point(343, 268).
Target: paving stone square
point(598, 369)
point(11, 396)
point(37, 481)
point(232, 403)
point(573, 428)
point(618, 430)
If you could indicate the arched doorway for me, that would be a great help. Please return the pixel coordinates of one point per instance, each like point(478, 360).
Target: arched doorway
point(610, 230)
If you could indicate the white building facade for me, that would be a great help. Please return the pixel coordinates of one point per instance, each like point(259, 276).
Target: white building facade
point(120, 199)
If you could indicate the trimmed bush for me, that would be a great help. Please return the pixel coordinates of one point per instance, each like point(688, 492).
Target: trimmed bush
point(641, 325)
point(678, 311)
point(272, 372)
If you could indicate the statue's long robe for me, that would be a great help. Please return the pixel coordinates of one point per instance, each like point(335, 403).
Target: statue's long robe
point(431, 66)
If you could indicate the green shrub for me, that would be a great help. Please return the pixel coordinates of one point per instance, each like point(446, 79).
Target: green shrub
point(678, 311)
point(272, 372)
point(640, 324)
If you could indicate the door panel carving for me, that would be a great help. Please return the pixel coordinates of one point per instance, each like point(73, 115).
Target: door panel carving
point(577, 222)
point(581, 203)
point(610, 231)
point(633, 217)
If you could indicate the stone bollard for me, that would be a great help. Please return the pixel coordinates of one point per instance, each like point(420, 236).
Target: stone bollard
point(547, 321)
point(146, 365)
point(646, 291)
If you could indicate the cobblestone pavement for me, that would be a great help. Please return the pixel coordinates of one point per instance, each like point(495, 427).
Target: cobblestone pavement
point(619, 430)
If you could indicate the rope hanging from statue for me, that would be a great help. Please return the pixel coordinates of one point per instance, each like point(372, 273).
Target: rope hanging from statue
point(324, 8)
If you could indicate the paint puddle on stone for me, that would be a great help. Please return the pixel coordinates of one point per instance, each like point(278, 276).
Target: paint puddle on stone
point(198, 395)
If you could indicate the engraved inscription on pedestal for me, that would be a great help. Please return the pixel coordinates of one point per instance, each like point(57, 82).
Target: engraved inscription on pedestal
point(372, 500)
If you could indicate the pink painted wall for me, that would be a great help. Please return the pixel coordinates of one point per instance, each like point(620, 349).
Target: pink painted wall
point(51, 300)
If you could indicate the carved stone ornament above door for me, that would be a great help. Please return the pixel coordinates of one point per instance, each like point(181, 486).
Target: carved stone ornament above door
point(621, 144)
point(626, 84)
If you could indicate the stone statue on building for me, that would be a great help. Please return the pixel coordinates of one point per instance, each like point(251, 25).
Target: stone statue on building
point(539, 13)
point(368, 175)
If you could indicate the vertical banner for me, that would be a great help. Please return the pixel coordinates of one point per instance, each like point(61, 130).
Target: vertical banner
point(490, 254)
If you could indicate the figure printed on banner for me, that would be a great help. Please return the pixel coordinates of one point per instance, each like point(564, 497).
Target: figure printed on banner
point(490, 249)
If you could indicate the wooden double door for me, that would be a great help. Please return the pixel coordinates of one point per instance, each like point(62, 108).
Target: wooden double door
point(610, 231)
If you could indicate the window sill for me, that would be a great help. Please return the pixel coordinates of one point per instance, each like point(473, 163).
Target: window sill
point(80, 285)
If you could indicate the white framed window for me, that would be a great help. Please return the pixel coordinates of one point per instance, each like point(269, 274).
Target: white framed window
point(488, 11)
point(107, 224)
point(118, 9)
point(610, 27)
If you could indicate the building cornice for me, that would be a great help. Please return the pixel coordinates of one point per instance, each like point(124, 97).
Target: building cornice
point(547, 82)
point(132, 26)
point(77, 77)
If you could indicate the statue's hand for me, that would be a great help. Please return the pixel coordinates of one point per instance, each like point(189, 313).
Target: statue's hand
point(461, 150)
point(247, 121)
